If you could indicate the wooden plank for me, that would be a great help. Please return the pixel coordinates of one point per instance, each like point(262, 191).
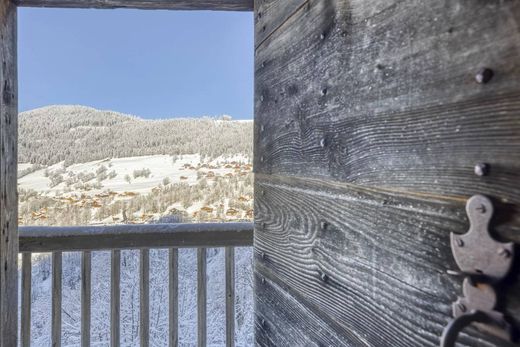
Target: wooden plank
point(83, 238)
point(144, 298)
point(56, 299)
point(173, 293)
point(201, 297)
point(342, 95)
point(371, 264)
point(271, 15)
point(86, 276)
point(282, 320)
point(230, 296)
point(115, 298)
point(8, 176)
point(214, 5)
point(25, 331)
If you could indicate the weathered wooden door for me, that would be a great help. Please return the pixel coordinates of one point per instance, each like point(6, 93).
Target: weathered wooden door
point(370, 117)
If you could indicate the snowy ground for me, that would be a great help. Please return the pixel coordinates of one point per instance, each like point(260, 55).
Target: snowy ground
point(160, 166)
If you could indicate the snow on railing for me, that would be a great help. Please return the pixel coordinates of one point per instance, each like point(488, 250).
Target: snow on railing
point(115, 238)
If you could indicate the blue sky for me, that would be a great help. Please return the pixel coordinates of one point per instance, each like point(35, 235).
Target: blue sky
point(154, 64)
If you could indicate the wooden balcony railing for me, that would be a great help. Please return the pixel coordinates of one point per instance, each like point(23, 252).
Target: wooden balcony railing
point(143, 237)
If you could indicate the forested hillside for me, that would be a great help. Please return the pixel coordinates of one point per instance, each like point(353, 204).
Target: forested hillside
point(79, 134)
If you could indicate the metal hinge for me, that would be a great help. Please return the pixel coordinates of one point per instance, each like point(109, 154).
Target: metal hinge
point(485, 262)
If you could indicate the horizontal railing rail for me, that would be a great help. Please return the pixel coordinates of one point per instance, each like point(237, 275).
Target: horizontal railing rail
point(134, 236)
point(36, 239)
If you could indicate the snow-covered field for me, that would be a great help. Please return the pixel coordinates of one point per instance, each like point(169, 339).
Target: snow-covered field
point(177, 169)
point(128, 190)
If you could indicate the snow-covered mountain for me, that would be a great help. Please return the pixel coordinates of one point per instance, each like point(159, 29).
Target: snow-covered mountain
point(79, 134)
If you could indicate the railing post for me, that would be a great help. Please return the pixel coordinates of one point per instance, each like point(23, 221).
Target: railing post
point(86, 263)
point(230, 296)
point(201, 297)
point(173, 293)
point(115, 298)
point(25, 332)
point(144, 297)
point(56, 299)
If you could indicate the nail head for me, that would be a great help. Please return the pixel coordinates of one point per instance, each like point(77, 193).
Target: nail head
point(484, 76)
point(481, 169)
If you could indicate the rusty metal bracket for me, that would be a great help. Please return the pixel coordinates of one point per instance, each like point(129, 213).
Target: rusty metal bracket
point(479, 255)
point(476, 252)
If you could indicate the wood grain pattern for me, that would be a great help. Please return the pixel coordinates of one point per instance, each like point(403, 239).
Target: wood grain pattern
point(173, 294)
point(368, 125)
point(25, 321)
point(8, 176)
point(115, 298)
point(49, 239)
point(271, 15)
point(215, 5)
point(282, 320)
point(86, 281)
point(365, 92)
point(371, 263)
point(56, 299)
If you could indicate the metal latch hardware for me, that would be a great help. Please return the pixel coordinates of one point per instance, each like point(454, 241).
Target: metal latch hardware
point(484, 261)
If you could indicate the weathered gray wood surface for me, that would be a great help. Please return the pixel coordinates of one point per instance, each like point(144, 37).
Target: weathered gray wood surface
point(230, 296)
point(368, 124)
point(144, 298)
point(377, 109)
point(25, 321)
point(56, 299)
point(48, 239)
point(8, 172)
point(115, 298)
point(201, 297)
point(86, 282)
point(385, 256)
point(215, 5)
point(173, 295)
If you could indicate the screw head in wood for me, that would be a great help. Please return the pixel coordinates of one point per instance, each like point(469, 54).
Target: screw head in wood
point(323, 142)
point(324, 277)
point(322, 36)
point(484, 75)
point(481, 169)
point(263, 280)
point(324, 91)
point(324, 225)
